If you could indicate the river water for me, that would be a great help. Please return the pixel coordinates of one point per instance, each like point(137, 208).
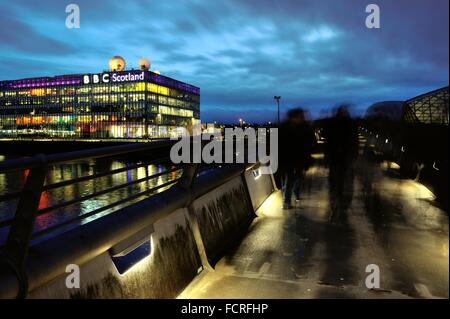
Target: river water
point(14, 181)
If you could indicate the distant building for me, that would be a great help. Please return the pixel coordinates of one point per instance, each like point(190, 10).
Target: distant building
point(135, 104)
point(391, 110)
point(428, 108)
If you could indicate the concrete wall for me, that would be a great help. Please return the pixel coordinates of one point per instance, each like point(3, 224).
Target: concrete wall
point(173, 262)
point(223, 216)
point(259, 185)
point(219, 217)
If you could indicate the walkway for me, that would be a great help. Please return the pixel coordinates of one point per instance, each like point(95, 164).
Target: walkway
point(300, 254)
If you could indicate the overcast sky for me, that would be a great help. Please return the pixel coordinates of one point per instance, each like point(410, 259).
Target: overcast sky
point(241, 53)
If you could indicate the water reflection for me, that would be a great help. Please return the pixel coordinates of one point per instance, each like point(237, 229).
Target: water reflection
point(14, 181)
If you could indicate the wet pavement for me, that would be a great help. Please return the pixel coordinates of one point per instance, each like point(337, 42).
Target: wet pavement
point(300, 253)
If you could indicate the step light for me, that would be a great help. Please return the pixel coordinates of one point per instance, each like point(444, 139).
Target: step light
point(131, 251)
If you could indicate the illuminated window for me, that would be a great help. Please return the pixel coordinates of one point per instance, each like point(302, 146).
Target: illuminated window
point(175, 111)
point(158, 89)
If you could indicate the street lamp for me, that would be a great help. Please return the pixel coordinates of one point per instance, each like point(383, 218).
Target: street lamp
point(277, 98)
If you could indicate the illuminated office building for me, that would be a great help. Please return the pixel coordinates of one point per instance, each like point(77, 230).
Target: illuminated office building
point(133, 104)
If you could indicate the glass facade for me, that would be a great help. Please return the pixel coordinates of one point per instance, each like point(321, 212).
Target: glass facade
point(428, 108)
point(111, 105)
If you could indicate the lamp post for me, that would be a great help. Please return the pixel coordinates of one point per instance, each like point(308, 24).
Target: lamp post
point(277, 98)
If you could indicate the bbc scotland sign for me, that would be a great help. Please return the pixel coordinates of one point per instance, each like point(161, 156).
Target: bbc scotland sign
point(115, 77)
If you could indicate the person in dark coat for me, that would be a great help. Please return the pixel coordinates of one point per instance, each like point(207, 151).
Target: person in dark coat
point(341, 149)
point(296, 141)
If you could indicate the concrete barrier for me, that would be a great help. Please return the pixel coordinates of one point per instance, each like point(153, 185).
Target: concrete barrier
point(172, 262)
point(171, 247)
point(223, 216)
point(259, 185)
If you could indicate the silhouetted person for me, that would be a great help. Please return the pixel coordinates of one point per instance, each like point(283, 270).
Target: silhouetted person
point(341, 149)
point(368, 170)
point(296, 140)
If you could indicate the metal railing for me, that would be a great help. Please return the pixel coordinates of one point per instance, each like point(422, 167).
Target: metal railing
point(20, 233)
point(103, 233)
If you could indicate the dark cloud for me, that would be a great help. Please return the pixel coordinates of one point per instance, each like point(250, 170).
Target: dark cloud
point(315, 53)
point(18, 36)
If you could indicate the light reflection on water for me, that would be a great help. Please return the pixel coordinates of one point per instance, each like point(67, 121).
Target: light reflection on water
point(14, 181)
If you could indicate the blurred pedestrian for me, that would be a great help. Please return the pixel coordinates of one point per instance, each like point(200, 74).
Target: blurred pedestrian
point(341, 149)
point(296, 141)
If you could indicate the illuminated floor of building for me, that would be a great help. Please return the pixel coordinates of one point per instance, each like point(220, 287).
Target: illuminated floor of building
point(299, 253)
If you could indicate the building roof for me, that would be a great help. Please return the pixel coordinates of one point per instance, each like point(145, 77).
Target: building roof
point(77, 79)
point(428, 108)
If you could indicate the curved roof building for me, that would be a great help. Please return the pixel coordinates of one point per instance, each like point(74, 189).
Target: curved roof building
point(428, 108)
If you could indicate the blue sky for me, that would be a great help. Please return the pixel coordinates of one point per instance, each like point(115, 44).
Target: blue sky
point(241, 53)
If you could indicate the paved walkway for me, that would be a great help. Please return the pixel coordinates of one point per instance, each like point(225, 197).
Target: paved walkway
point(300, 254)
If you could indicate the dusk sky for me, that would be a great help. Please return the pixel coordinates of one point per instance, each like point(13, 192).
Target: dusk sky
point(241, 53)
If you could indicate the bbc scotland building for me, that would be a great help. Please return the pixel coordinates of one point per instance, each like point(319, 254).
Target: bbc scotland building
point(129, 104)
